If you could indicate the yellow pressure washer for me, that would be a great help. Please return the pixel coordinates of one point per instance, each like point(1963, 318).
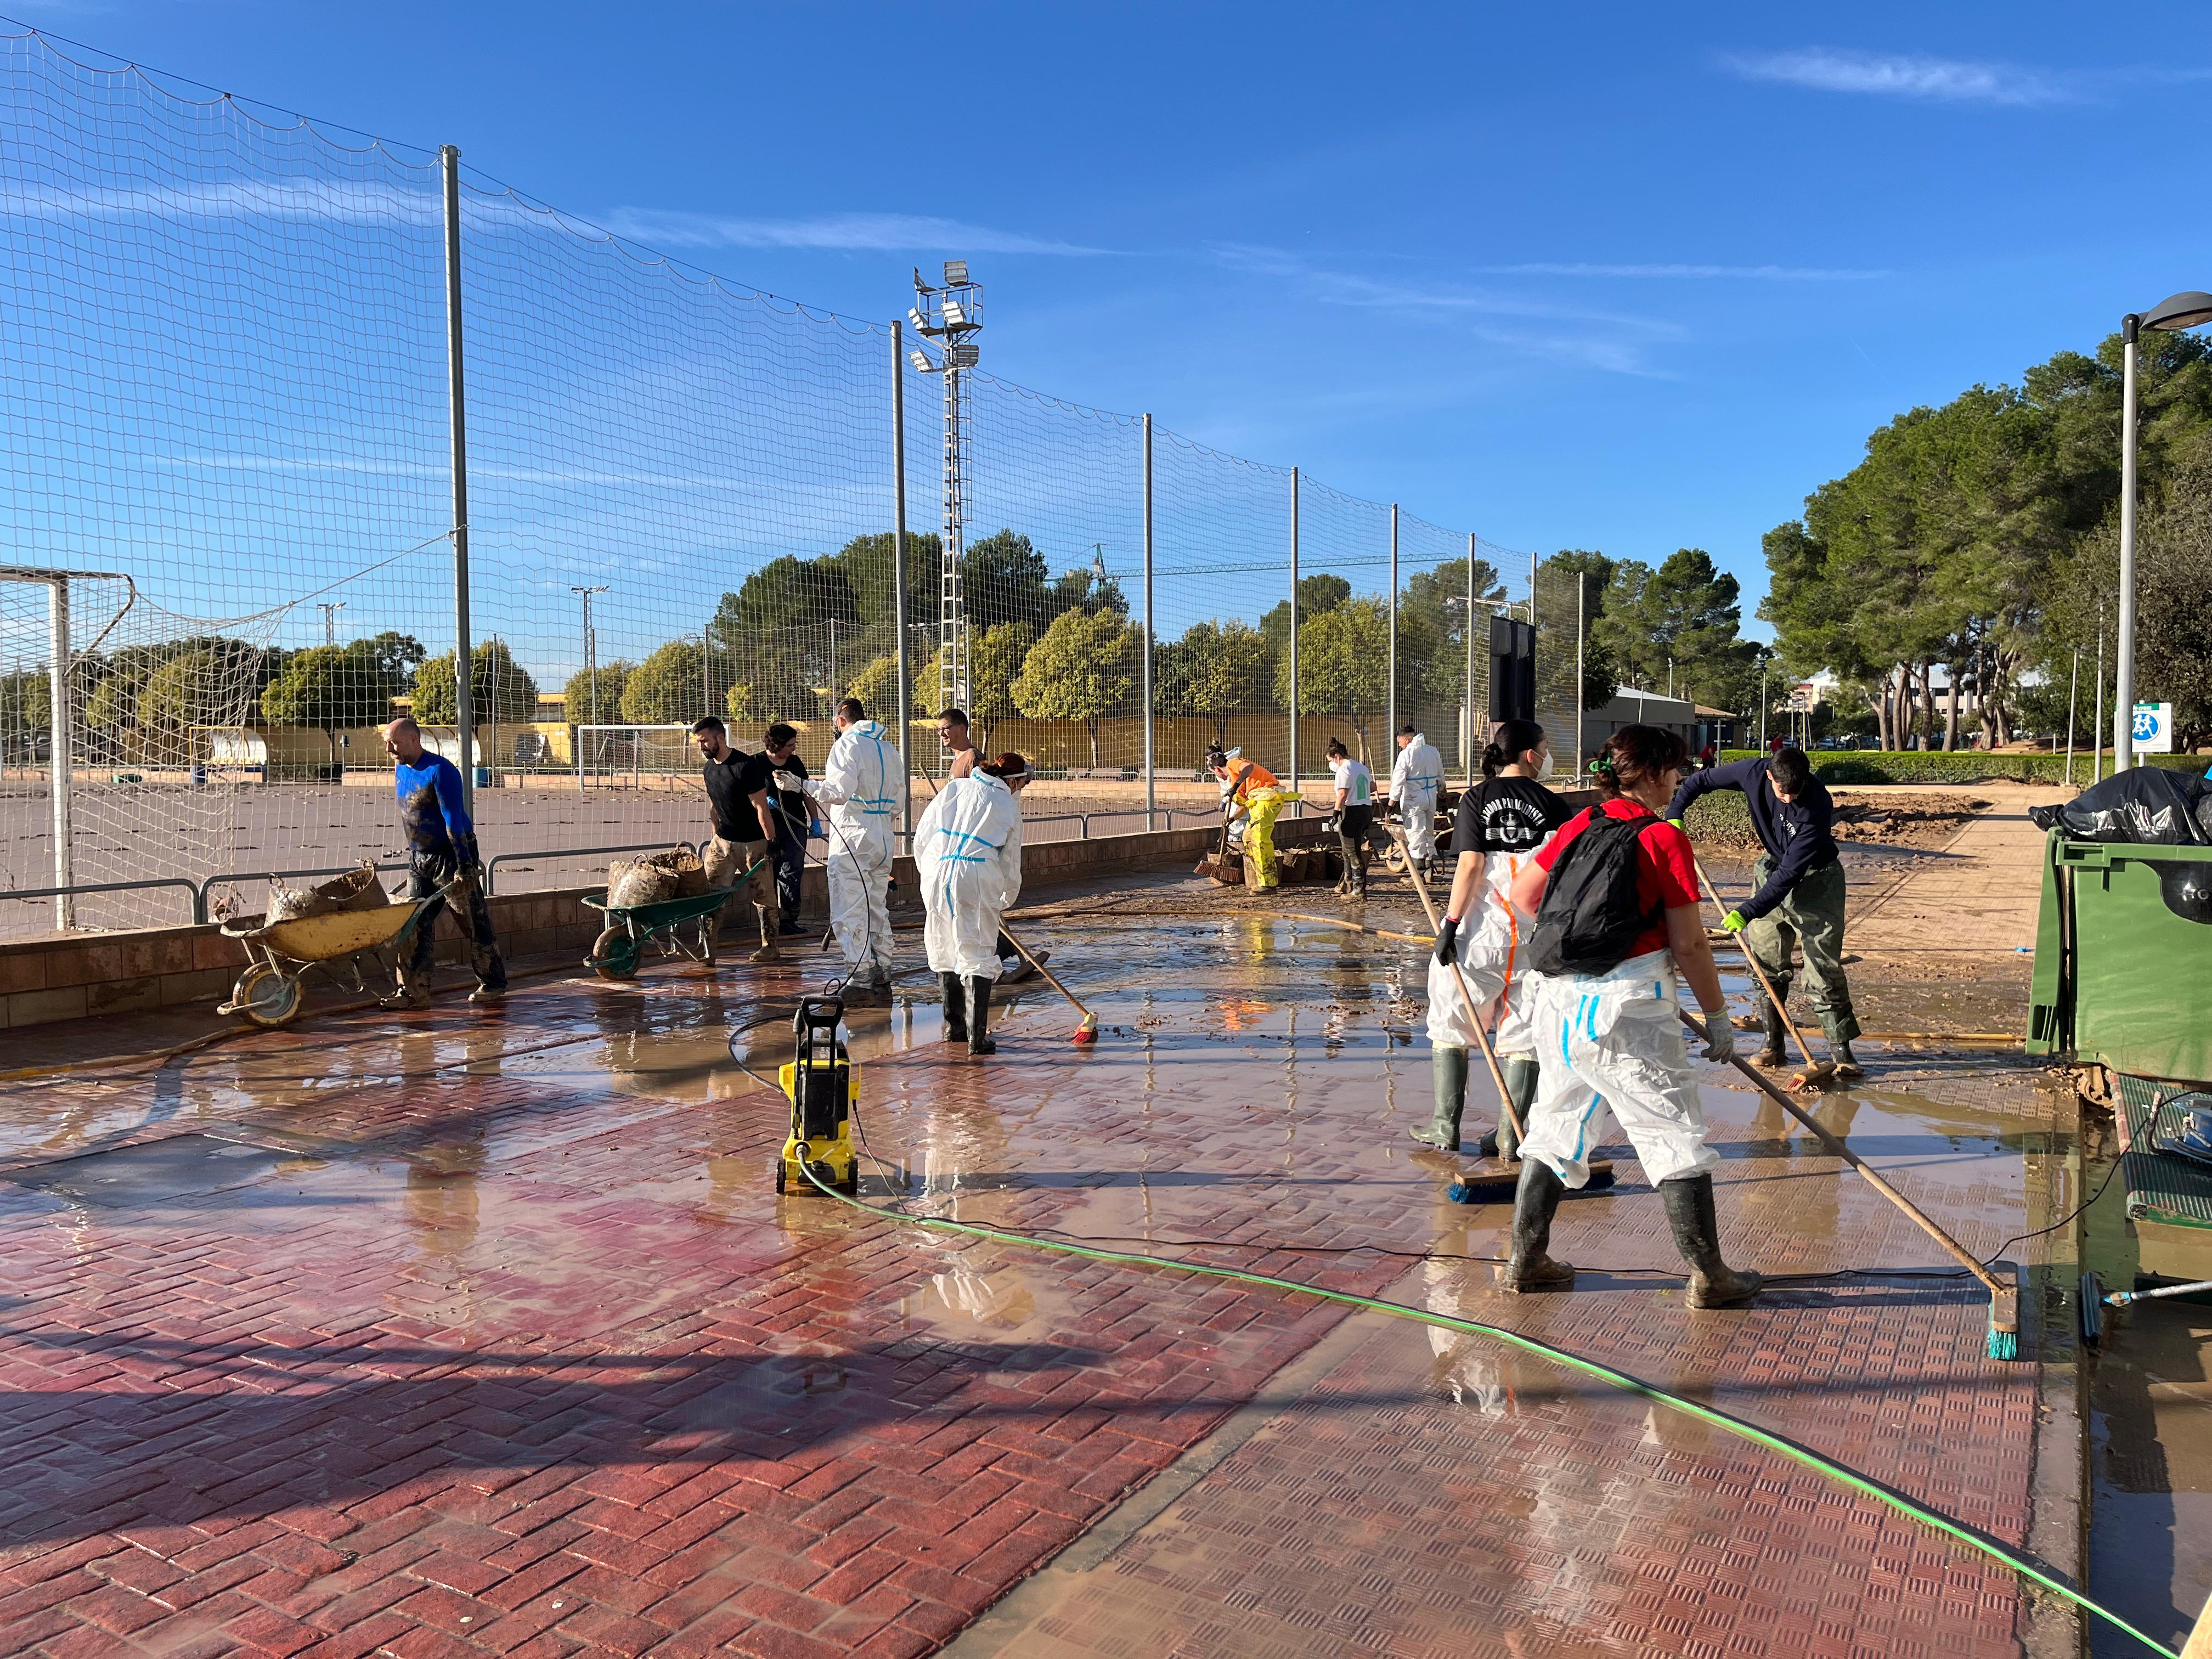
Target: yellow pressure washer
point(821, 1083)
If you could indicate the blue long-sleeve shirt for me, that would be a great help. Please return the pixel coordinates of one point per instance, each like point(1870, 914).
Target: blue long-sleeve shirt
point(1797, 835)
point(430, 808)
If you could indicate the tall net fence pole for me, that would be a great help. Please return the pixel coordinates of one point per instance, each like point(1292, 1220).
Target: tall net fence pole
point(1390, 717)
point(902, 720)
point(1468, 745)
point(1152, 648)
point(449, 163)
point(58, 634)
point(1293, 773)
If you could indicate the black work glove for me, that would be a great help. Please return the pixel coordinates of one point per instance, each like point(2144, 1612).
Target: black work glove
point(1447, 932)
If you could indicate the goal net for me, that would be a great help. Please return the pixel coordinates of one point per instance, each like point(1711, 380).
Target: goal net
point(636, 757)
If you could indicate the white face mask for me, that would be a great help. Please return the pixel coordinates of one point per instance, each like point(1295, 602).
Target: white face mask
point(1545, 769)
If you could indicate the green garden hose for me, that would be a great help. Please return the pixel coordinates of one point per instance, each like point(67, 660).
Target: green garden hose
point(1812, 1459)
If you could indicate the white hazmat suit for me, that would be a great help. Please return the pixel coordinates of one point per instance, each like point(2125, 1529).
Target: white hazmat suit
point(1415, 780)
point(1615, 1041)
point(859, 786)
point(967, 855)
point(1492, 948)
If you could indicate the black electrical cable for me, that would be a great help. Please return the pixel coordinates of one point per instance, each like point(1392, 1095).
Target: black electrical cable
point(2151, 1135)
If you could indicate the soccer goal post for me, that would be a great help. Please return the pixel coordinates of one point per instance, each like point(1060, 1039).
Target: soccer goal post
point(626, 756)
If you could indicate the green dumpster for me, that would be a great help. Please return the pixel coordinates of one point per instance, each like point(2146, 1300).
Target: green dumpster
point(2124, 957)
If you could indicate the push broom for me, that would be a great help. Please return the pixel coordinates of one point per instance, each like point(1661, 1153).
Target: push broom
point(1087, 1032)
point(1473, 1181)
point(1815, 1073)
point(2005, 1299)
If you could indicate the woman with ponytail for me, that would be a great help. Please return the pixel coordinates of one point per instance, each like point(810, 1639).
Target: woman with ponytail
point(1499, 826)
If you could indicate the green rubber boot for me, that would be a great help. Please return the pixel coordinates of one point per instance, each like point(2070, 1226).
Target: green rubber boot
point(1521, 1075)
point(1447, 1071)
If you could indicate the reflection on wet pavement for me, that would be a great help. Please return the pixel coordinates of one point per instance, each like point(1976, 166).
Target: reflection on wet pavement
point(572, 1196)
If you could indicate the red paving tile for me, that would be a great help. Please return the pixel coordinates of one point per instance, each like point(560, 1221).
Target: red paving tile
point(519, 1354)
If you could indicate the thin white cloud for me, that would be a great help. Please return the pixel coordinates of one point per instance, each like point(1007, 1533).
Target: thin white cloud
point(1600, 339)
point(903, 233)
point(1745, 273)
point(1906, 75)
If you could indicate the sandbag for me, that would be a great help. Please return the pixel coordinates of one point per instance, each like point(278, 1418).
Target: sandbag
point(356, 890)
point(633, 883)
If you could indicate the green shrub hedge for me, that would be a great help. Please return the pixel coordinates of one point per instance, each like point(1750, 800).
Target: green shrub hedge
point(1844, 767)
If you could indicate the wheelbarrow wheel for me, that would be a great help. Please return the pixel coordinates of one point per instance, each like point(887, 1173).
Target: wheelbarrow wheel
point(614, 955)
point(1394, 857)
point(266, 997)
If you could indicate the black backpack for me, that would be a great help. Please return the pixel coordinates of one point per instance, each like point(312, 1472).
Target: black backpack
point(1590, 916)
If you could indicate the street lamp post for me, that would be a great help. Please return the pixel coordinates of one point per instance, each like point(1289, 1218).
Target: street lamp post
point(2186, 310)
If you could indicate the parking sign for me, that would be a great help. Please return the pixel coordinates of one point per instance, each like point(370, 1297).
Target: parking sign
point(2155, 728)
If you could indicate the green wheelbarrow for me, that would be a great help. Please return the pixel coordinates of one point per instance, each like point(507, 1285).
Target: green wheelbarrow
point(679, 926)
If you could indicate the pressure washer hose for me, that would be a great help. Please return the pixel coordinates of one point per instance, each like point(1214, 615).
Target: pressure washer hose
point(1804, 1455)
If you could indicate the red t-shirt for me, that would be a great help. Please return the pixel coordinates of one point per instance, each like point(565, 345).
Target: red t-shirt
point(1666, 874)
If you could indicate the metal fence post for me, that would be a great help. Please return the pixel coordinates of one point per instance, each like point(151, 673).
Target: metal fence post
point(1294, 630)
point(463, 694)
point(59, 743)
point(1467, 742)
point(1151, 791)
point(1581, 579)
point(1390, 718)
point(902, 722)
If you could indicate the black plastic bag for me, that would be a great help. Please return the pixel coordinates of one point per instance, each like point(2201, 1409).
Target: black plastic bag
point(2147, 806)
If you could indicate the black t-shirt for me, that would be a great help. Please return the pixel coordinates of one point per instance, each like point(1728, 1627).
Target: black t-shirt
point(1506, 815)
point(731, 783)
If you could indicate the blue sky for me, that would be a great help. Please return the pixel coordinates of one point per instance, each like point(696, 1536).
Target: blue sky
point(1616, 277)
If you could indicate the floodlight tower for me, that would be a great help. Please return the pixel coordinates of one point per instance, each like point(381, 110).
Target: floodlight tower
point(951, 315)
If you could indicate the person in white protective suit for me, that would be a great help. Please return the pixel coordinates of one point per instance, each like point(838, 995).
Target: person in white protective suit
point(967, 855)
point(1606, 1013)
point(1416, 778)
point(1499, 826)
point(859, 786)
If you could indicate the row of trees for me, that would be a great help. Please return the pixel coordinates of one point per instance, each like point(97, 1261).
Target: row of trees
point(799, 633)
point(1980, 539)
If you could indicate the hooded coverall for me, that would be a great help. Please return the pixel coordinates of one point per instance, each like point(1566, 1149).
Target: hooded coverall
point(1262, 794)
point(968, 855)
point(859, 786)
point(1490, 948)
point(1415, 779)
point(1614, 1040)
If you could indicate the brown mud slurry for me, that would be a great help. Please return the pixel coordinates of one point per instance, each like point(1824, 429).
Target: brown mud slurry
point(467, 1332)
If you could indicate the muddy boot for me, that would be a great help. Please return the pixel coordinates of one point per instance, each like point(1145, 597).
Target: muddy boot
point(1448, 1070)
point(955, 990)
point(414, 992)
point(1848, 1068)
point(1521, 1075)
point(1533, 1204)
point(1773, 1055)
point(1690, 1212)
point(979, 1016)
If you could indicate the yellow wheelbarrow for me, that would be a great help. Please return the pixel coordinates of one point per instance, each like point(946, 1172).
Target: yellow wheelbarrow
point(278, 954)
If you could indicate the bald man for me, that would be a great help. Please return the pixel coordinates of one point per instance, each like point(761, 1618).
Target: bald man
point(441, 844)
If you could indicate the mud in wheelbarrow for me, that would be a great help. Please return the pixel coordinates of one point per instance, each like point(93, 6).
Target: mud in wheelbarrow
point(278, 955)
point(679, 927)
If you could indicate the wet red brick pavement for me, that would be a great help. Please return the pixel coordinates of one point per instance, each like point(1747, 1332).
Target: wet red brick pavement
point(449, 1333)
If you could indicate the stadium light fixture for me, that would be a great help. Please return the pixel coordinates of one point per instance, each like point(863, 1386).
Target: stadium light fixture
point(922, 362)
point(956, 272)
point(953, 314)
point(2188, 309)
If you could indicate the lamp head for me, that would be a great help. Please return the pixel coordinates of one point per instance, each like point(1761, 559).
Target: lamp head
point(2180, 311)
